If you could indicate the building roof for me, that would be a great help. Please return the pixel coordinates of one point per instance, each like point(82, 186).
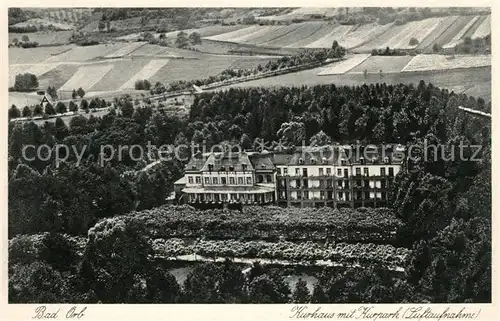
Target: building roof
point(322, 155)
point(195, 163)
point(181, 181)
point(282, 158)
point(316, 156)
point(262, 162)
point(226, 161)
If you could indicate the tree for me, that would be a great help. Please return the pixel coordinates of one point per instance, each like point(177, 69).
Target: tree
point(320, 139)
point(26, 111)
point(25, 38)
point(300, 293)
point(14, 112)
point(264, 289)
point(117, 259)
point(436, 47)
point(182, 40)
point(73, 107)
point(94, 104)
point(61, 108)
point(61, 129)
point(74, 94)
point(162, 287)
point(318, 295)
point(34, 283)
point(195, 38)
point(38, 110)
point(101, 25)
point(52, 92)
point(245, 142)
point(25, 82)
point(84, 105)
point(80, 92)
point(49, 109)
point(201, 284)
point(413, 42)
point(127, 109)
point(292, 133)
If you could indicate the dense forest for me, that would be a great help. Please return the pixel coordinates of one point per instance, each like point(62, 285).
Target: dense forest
point(67, 226)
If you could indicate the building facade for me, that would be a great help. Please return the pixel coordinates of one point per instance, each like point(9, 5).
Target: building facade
point(342, 176)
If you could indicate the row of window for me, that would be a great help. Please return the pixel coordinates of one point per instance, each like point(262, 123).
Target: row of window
point(328, 183)
point(222, 197)
point(328, 171)
point(232, 180)
point(223, 180)
point(341, 196)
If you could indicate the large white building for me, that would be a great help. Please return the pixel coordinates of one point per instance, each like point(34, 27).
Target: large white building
point(338, 176)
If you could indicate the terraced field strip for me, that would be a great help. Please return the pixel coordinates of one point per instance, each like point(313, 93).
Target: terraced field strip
point(484, 28)
point(204, 32)
point(86, 53)
point(40, 69)
point(450, 32)
point(304, 31)
point(326, 41)
point(271, 35)
point(430, 40)
point(326, 29)
point(386, 64)
point(458, 37)
point(474, 27)
point(379, 41)
point(419, 30)
point(125, 50)
point(121, 72)
point(34, 55)
point(58, 76)
point(145, 73)
point(182, 69)
point(147, 50)
point(415, 29)
point(262, 31)
point(234, 34)
point(86, 77)
point(361, 34)
point(440, 62)
point(345, 65)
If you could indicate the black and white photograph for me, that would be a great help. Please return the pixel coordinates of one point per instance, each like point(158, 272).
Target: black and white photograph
point(250, 155)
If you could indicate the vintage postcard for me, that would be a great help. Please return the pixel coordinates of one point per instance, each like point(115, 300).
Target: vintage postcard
point(219, 162)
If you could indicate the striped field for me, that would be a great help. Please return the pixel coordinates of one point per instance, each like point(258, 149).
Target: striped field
point(86, 77)
point(145, 73)
point(345, 65)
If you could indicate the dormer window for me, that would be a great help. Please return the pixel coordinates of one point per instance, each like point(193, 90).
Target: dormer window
point(231, 168)
point(361, 160)
point(301, 161)
point(222, 169)
point(324, 160)
point(210, 167)
point(244, 167)
point(313, 160)
point(193, 166)
point(386, 160)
